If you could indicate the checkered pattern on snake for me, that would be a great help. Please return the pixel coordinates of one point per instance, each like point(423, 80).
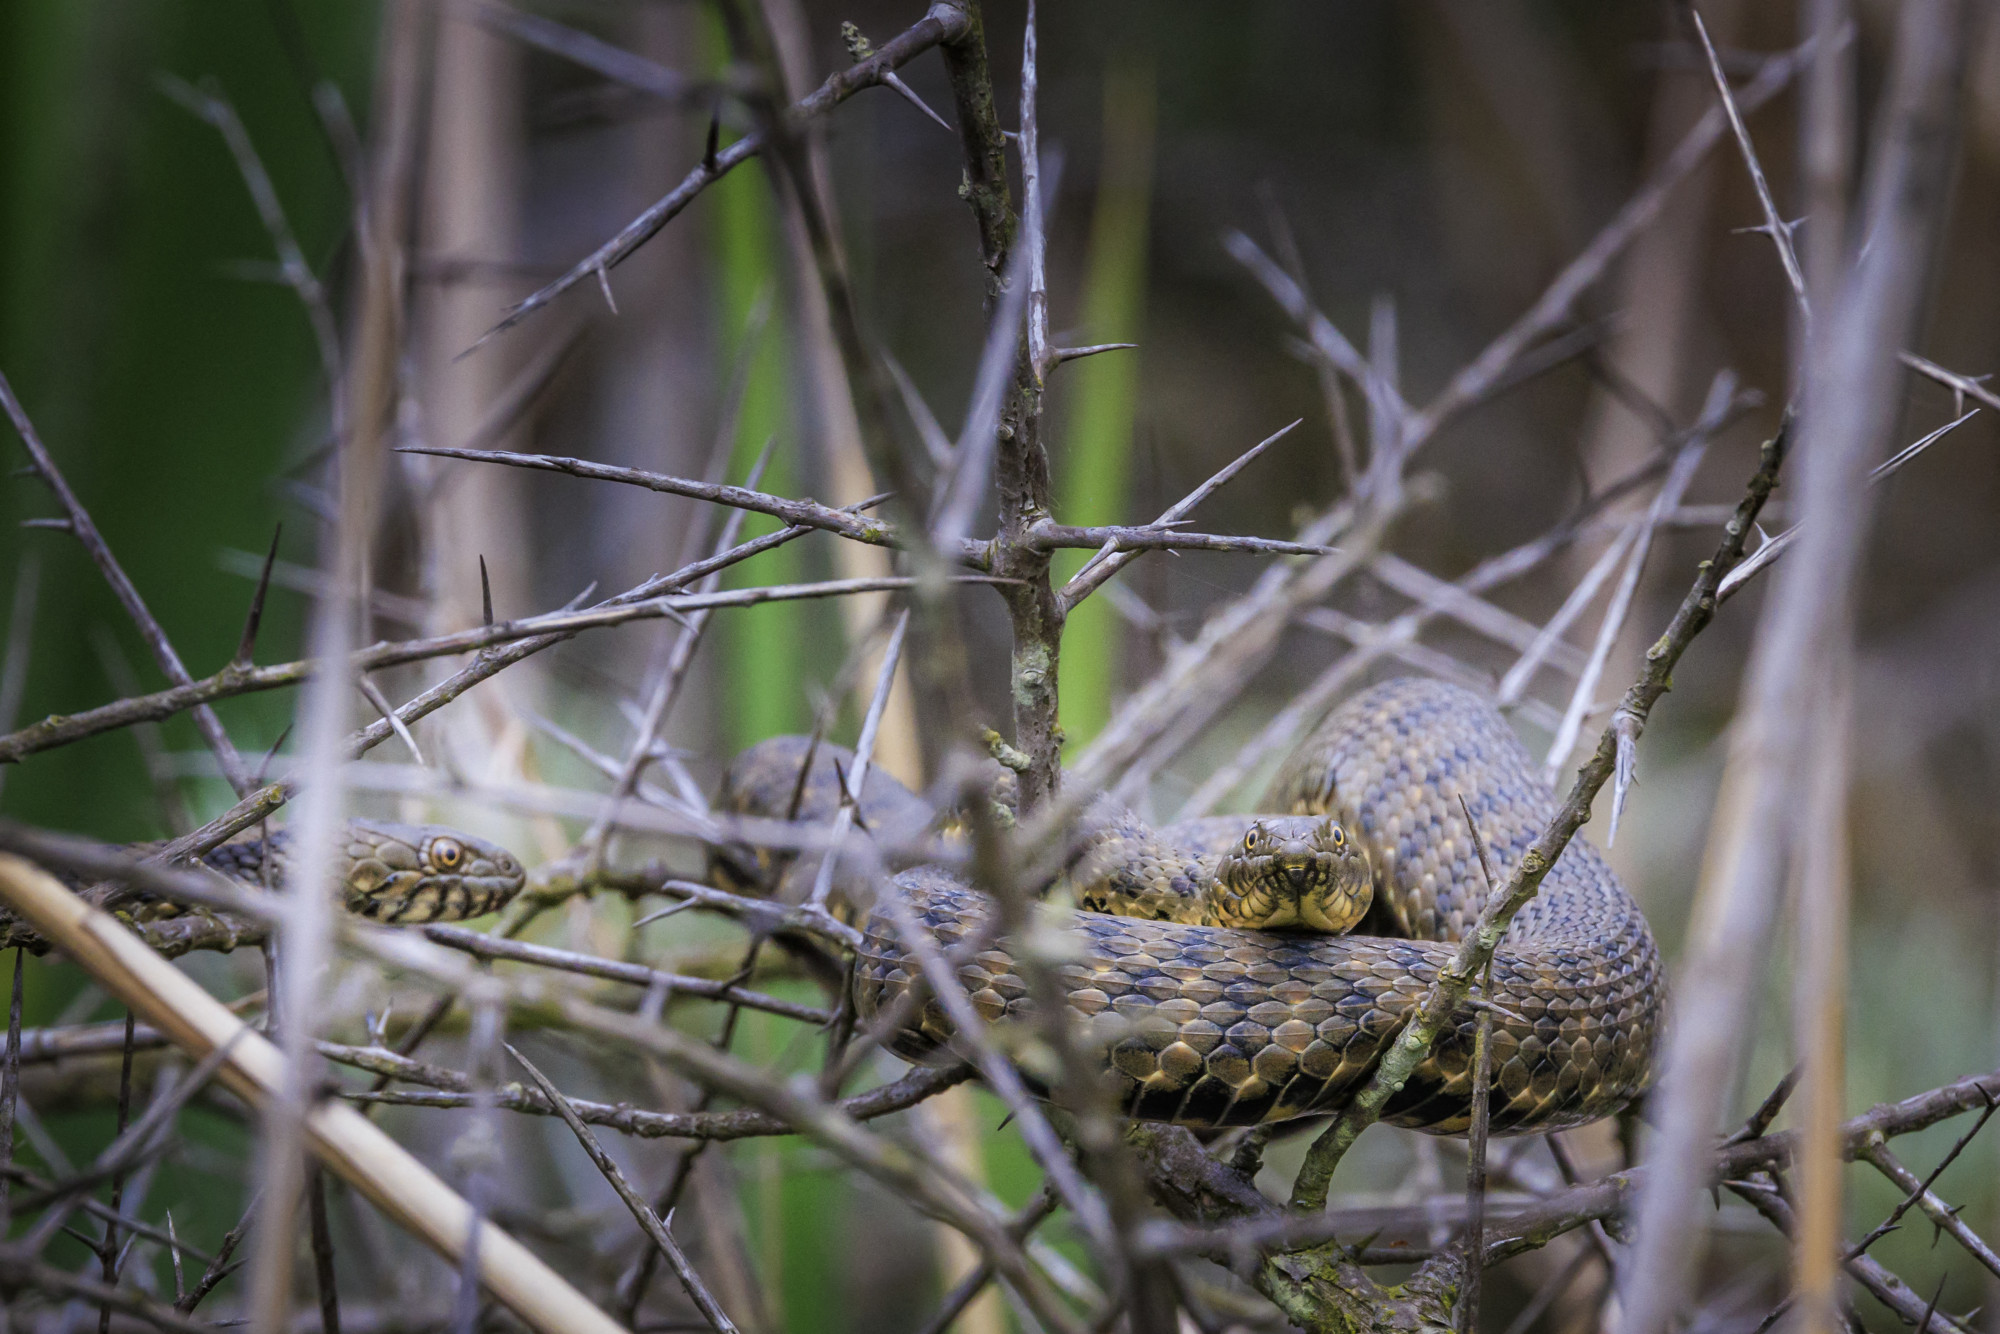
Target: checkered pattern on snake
point(1212, 1026)
point(392, 872)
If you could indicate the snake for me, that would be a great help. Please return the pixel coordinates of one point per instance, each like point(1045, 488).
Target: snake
point(1213, 1024)
point(387, 872)
point(392, 872)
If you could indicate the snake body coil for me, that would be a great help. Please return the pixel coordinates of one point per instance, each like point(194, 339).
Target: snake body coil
point(1214, 1026)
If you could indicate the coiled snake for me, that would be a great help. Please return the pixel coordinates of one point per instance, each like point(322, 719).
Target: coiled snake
point(1217, 1026)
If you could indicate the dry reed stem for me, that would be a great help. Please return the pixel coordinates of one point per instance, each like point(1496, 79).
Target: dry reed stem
point(1849, 409)
point(362, 1155)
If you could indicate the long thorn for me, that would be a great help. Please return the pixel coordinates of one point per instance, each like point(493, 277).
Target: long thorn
point(247, 645)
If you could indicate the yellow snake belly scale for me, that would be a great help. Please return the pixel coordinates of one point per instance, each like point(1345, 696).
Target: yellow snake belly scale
point(1213, 1026)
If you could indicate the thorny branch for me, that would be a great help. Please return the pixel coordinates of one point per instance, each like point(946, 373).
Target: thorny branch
point(1098, 1167)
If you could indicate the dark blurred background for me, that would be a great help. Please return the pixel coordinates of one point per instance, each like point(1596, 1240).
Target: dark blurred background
point(1436, 164)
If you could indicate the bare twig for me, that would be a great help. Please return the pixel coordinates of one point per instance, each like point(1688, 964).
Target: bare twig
point(10, 1093)
point(1780, 232)
point(1109, 559)
point(1475, 1145)
point(1916, 1193)
point(1454, 981)
point(1679, 477)
point(519, 638)
point(1777, 546)
point(1557, 302)
point(943, 23)
point(649, 1222)
point(210, 105)
point(253, 1070)
point(1965, 386)
point(454, 1091)
point(1876, 1153)
point(864, 755)
point(483, 946)
point(1850, 402)
point(85, 531)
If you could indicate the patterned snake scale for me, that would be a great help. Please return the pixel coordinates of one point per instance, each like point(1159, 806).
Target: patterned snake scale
point(1212, 1026)
point(392, 872)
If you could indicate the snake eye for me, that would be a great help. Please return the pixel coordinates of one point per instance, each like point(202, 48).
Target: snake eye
point(1250, 840)
point(1338, 836)
point(446, 854)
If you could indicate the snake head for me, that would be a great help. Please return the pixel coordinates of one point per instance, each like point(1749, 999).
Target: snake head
point(425, 873)
point(1302, 873)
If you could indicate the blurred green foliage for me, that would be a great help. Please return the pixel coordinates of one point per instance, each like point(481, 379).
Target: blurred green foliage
point(1095, 447)
point(764, 648)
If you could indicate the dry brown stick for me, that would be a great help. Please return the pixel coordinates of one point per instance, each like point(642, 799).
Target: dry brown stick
point(80, 526)
point(1821, 885)
point(1849, 408)
point(662, 690)
point(649, 1222)
point(1305, 708)
point(1888, 1225)
point(941, 24)
point(402, 1187)
point(454, 1090)
point(1109, 559)
point(1556, 303)
point(208, 103)
point(1454, 981)
point(1876, 1153)
point(1774, 224)
point(18, 1271)
point(237, 679)
point(1887, 1288)
point(1680, 475)
point(1475, 1144)
point(1962, 385)
point(483, 946)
